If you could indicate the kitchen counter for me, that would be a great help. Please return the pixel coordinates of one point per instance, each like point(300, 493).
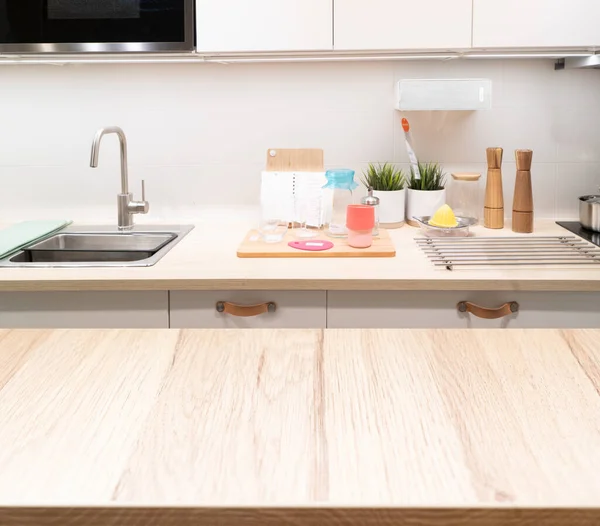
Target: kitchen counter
point(206, 260)
point(186, 427)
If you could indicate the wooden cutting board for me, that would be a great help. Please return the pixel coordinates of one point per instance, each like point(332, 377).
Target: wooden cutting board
point(254, 247)
point(295, 160)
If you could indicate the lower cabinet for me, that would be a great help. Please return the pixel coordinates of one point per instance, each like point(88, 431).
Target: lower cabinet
point(299, 309)
point(424, 309)
point(84, 310)
point(249, 309)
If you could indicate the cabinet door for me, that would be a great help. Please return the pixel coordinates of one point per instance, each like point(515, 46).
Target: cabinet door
point(402, 24)
point(84, 310)
point(264, 25)
point(292, 309)
point(438, 310)
point(536, 23)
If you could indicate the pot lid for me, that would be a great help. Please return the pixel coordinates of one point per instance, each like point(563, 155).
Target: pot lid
point(591, 198)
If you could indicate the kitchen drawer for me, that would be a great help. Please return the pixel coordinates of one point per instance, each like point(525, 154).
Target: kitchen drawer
point(293, 309)
point(416, 309)
point(84, 310)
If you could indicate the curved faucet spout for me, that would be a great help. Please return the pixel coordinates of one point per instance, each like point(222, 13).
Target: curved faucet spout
point(123, 142)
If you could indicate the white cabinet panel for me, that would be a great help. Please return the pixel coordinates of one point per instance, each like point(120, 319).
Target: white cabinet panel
point(84, 310)
point(416, 309)
point(402, 24)
point(264, 25)
point(536, 23)
point(294, 309)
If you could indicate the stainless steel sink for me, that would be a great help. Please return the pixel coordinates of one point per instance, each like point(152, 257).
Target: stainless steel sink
point(99, 247)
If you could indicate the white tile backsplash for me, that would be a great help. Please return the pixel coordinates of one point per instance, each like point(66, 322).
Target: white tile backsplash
point(199, 133)
point(572, 181)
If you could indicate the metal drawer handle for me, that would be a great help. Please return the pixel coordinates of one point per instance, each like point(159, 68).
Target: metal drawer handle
point(488, 314)
point(245, 311)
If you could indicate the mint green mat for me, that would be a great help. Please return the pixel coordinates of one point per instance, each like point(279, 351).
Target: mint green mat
point(17, 236)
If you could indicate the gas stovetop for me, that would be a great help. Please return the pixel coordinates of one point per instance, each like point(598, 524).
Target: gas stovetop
point(577, 229)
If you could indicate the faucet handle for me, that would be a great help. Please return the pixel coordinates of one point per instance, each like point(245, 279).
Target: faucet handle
point(143, 205)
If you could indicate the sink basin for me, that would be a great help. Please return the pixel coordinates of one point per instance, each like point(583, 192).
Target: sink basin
point(65, 248)
point(99, 247)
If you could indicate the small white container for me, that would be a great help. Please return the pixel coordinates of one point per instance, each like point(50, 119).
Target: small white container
point(423, 203)
point(392, 208)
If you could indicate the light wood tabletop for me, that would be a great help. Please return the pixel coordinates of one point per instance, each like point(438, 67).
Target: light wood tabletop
point(340, 427)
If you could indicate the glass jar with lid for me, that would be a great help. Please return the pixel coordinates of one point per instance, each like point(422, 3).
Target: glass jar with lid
point(341, 183)
point(464, 195)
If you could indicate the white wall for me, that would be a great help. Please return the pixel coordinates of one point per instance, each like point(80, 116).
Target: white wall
point(198, 133)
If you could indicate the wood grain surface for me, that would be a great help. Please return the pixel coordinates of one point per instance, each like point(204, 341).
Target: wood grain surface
point(346, 427)
point(279, 516)
point(253, 247)
point(494, 197)
point(295, 160)
point(522, 218)
point(206, 259)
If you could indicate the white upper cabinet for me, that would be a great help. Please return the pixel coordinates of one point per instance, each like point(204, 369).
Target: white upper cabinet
point(402, 24)
point(264, 25)
point(536, 23)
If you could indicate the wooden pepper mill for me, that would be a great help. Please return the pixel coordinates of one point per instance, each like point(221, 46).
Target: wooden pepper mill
point(493, 212)
point(522, 216)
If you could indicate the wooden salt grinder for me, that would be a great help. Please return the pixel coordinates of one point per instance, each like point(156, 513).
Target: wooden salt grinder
point(522, 216)
point(493, 212)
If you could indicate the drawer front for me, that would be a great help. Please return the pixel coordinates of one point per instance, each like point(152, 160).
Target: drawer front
point(416, 309)
point(291, 309)
point(84, 310)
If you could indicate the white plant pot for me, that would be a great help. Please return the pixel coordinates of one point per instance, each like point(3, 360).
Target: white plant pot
point(423, 203)
point(392, 209)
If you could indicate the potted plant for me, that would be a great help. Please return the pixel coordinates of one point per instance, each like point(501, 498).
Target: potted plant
point(388, 185)
point(426, 194)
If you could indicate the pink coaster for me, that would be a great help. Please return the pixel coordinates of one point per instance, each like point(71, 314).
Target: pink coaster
point(314, 245)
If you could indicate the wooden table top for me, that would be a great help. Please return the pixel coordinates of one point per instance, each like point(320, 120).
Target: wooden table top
point(168, 427)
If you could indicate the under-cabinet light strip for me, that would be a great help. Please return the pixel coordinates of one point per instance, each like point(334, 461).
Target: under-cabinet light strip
point(241, 59)
point(525, 55)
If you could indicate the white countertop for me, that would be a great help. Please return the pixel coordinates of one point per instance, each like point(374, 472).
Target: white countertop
point(206, 260)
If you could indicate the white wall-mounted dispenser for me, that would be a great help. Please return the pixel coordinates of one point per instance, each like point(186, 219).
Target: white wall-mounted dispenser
point(444, 94)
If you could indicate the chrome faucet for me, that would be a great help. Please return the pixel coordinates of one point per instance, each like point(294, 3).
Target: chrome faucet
point(125, 203)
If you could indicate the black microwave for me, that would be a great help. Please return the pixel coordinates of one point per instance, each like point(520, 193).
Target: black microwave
point(96, 26)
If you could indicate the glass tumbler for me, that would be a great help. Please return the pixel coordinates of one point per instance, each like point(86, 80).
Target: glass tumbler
point(464, 196)
point(272, 230)
point(303, 208)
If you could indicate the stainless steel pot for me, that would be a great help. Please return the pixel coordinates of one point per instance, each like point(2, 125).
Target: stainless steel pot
point(589, 212)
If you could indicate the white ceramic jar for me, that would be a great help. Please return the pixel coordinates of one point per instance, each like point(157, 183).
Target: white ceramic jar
point(392, 211)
